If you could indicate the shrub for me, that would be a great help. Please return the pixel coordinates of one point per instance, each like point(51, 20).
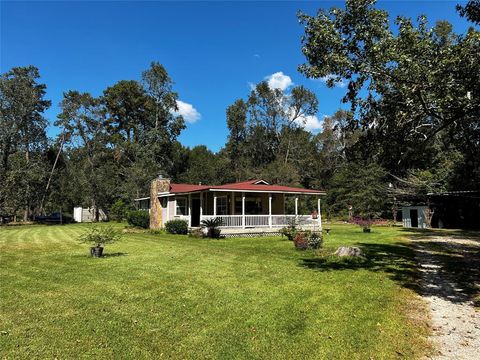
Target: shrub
point(212, 227)
point(307, 240)
point(98, 236)
point(289, 232)
point(315, 240)
point(140, 218)
point(119, 210)
point(176, 227)
point(363, 222)
point(300, 241)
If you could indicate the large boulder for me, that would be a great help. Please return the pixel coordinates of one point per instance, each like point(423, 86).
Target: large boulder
point(349, 251)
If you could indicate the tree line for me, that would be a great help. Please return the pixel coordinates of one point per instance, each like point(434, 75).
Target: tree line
point(412, 124)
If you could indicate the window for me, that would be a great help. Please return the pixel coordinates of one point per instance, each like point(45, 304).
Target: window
point(253, 205)
point(182, 206)
point(222, 205)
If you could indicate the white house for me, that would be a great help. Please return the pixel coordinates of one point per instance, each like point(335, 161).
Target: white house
point(248, 207)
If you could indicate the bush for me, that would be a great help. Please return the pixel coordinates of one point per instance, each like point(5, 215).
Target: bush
point(140, 218)
point(308, 240)
point(212, 226)
point(315, 240)
point(289, 232)
point(119, 210)
point(176, 227)
point(98, 236)
point(300, 240)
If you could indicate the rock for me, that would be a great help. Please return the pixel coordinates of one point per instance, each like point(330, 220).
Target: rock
point(349, 251)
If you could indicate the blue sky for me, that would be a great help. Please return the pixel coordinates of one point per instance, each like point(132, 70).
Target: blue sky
point(212, 50)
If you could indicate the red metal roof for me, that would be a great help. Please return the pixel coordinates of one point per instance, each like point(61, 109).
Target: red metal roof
point(241, 186)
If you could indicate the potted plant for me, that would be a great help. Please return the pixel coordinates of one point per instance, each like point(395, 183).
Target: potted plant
point(364, 223)
point(212, 226)
point(98, 237)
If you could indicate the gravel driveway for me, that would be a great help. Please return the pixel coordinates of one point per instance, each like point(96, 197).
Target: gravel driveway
point(450, 285)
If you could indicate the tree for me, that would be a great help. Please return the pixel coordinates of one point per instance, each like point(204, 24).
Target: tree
point(83, 121)
point(471, 11)
point(22, 131)
point(409, 90)
point(361, 186)
point(235, 147)
point(267, 129)
point(205, 167)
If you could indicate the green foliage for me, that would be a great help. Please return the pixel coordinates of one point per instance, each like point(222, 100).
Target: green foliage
point(176, 227)
point(289, 232)
point(100, 235)
point(471, 11)
point(306, 239)
point(364, 187)
point(410, 87)
point(140, 218)
point(212, 226)
point(23, 141)
point(119, 210)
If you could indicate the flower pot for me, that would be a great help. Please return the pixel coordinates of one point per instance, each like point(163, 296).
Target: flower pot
point(366, 230)
point(96, 251)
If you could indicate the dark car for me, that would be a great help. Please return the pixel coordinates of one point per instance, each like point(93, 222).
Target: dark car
point(53, 218)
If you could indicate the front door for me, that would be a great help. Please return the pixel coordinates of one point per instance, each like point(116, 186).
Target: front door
point(195, 212)
point(414, 217)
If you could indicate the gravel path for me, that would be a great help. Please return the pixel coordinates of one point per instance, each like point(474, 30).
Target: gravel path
point(455, 321)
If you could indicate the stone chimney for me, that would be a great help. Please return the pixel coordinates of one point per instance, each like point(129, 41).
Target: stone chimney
point(158, 185)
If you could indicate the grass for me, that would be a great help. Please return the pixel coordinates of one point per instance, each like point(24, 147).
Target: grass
point(163, 296)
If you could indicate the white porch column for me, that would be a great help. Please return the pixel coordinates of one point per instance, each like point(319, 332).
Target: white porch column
point(270, 210)
point(214, 204)
point(243, 210)
point(189, 210)
point(201, 206)
point(296, 206)
point(319, 214)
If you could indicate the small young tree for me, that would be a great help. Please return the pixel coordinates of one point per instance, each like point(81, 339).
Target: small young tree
point(98, 237)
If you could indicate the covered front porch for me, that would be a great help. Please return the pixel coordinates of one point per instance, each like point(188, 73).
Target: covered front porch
point(252, 210)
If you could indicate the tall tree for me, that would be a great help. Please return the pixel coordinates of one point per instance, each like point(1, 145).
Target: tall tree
point(22, 131)
point(409, 89)
point(83, 121)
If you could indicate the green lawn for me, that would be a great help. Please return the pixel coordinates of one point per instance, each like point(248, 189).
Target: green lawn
point(176, 297)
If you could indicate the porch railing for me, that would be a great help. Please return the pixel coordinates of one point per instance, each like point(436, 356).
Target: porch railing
point(249, 221)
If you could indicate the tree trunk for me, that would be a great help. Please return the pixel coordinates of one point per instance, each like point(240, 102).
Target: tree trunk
point(41, 211)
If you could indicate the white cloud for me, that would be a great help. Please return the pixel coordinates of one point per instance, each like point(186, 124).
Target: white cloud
point(279, 81)
point(256, 55)
point(189, 113)
point(310, 123)
point(340, 83)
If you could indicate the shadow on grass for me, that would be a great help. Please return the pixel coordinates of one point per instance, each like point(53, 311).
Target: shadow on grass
point(450, 259)
point(397, 260)
point(107, 255)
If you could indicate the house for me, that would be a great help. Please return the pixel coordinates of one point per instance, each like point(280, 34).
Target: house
point(247, 207)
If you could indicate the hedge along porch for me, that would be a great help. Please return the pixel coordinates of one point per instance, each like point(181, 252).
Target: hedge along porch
point(252, 206)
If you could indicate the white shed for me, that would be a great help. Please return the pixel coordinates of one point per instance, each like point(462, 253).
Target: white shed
point(414, 216)
point(87, 214)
